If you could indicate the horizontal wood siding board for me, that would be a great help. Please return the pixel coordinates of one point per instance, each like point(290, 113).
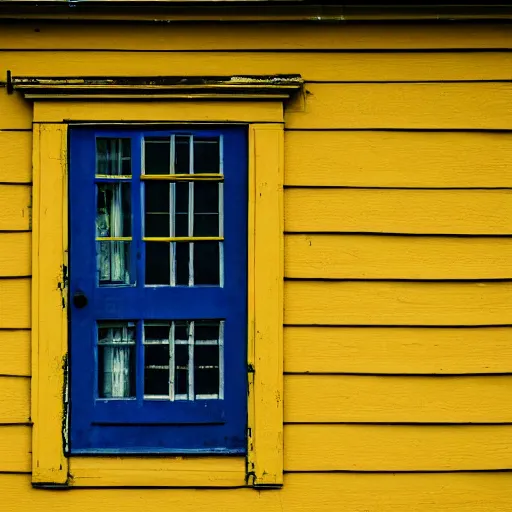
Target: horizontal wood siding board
point(397, 447)
point(14, 400)
point(396, 257)
point(382, 492)
point(15, 448)
point(15, 352)
point(15, 201)
point(15, 157)
point(329, 67)
point(398, 350)
point(255, 36)
point(406, 106)
point(398, 159)
point(15, 254)
point(397, 399)
point(15, 303)
point(16, 111)
point(397, 303)
point(446, 212)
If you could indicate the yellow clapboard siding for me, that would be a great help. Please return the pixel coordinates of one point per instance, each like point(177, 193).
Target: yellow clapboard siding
point(472, 105)
point(15, 448)
point(372, 492)
point(398, 159)
point(238, 36)
point(15, 303)
point(15, 204)
point(14, 400)
point(15, 254)
point(398, 350)
point(472, 212)
point(397, 399)
point(397, 303)
point(15, 157)
point(410, 67)
point(397, 257)
point(16, 112)
point(397, 447)
point(15, 352)
point(167, 471)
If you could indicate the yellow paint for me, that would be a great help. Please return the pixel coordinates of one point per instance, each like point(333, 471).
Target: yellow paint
point(382, 492)
point(15, 211)
point(370, 66)
point(397, 447)
point(383, 159)
point(450, 212)
point(15, 447)
point(49, 308)
point(15, 254)
point(15, 157)
point(398, 399)
point(15, 404)
point(113, 238)
point(16, 113)
point(421, 105)
point(266, 154)
point(159, 111)
point(261, 36)
point(15, 303)
point(183, 238)
point(398, 350)
point(160, 472)
point(397, 257)
point(15, 352)
point(183, 177)
point(397, 303)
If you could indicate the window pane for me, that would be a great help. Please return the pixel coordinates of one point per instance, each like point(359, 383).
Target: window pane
point(206, 263)
point(157, 155)
point(181, 198)
point(113, 263)
point(182, 263)
point(206, 208)
point(116, 360)
point(206, 370)
point(181, 370)
point(157, 204)
point(113, 209)
point(182, 155)
point(158, 258)
point(206, 155)
point(156, 370)
point(113, 157)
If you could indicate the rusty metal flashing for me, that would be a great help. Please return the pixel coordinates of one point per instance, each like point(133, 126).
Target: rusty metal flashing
point(279, 87)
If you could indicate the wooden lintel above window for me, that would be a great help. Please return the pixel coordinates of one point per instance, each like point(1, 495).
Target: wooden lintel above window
point(273, 87)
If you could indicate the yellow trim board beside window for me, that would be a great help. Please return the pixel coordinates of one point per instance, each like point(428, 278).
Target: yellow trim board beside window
point(263, 465)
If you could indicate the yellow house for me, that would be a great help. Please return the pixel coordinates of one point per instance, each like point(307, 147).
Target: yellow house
point(358, 160)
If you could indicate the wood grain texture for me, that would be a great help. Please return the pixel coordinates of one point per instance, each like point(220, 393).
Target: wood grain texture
point(375, 492)
point(389, 399)
point(16, 205)
point(332, 67)
point(398, 350)
point(474, 105)
point(167, 472)
point(15, 157)
point(398, 159)
point(397, 447)
point(397, 303)
point(15, 303)
point(15, 254)
point(213, 36)
point(16, 112)
point(447, 212)
point(14, 400)
point(15, 449)
point(396, 257)
point(154, 111)
point(15, 352)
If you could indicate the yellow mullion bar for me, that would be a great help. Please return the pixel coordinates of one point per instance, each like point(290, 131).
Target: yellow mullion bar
point(113, 177)
point(183, 239)
point(184, 177)
point(113, 239)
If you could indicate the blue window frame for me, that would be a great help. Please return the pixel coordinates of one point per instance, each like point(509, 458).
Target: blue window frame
point(158, 284)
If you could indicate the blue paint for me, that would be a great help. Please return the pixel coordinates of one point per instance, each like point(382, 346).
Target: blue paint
point(155, 426)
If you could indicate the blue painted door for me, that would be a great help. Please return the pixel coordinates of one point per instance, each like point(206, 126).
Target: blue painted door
point(158, 284)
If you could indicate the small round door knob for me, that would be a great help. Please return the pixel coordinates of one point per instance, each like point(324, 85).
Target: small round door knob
point(79, 299)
